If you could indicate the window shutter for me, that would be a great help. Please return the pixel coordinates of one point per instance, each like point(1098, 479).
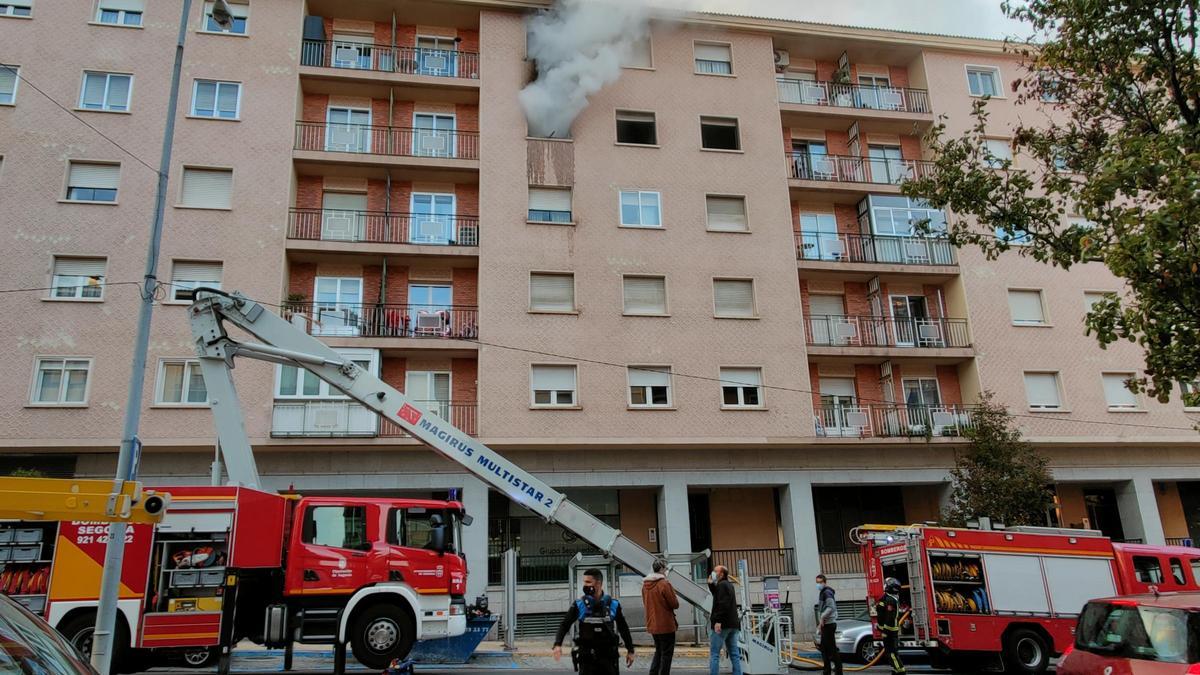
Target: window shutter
point(629, 116)
point(734, 297)
point(127, 5)
point(1115, 392)
point(649, 376)
point(827, 305)
point(206, 95)
point(1091, 298)
point(743, 377)
point(545, 199)
point(726, 213)
point(645, 295)
point(1042, 390)
point(1026, 306)
point(554, 377)
point(554, 292)
point(100, 176)
point(999, 148)
point(441, 387)
point(206, 273)
point(342, 201)
point(346, 37)
point(207, 188)
point(93, 90)
point(227, 96)
point(79, 267)
point(707, 52)
point(639, 54)
point(8, 79)
point(118, 91)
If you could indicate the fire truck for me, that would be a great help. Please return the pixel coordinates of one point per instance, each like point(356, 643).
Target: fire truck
point(1009, 598)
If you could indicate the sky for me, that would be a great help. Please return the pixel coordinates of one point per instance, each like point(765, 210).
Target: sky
point(973, 18)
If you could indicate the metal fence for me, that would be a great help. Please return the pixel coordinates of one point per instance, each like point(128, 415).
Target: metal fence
point(892, 421)
point(373, 139)
point(383, 227)
point(836, 330)
point(355, 55)
point(866, 248)
point(346, 419)
point(759, 561)
point(1180, 541)
point(463, 415)
point(846, 563)
point(862, 96)
point(384, 320)
point(851, 169)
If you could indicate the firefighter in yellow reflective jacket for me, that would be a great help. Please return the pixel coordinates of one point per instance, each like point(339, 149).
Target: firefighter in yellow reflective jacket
point(887, 617)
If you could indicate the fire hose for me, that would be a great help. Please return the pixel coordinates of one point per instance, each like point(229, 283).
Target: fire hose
point(856, 669)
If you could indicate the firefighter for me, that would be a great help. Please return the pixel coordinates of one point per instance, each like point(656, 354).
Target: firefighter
point(600, 622)
point(887, 616)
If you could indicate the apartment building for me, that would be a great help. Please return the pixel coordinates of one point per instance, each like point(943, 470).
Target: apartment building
point(706, 315)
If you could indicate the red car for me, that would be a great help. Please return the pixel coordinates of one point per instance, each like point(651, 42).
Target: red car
point(1137, 635)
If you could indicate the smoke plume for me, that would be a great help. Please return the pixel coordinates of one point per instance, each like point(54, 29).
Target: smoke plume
point(578, 46)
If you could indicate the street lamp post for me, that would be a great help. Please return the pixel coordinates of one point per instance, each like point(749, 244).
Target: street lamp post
point(127, 464)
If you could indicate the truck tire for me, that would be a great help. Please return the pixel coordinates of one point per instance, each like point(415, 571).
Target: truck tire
point(200, 658)
point(1026, 651)
point(80, 629)
point(381, 633)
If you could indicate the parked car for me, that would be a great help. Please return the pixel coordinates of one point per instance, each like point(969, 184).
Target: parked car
point(854, 638)
point(1152, 634)
point(29, 645)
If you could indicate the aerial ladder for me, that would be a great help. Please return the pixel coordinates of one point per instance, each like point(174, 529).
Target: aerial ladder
point(283, 343)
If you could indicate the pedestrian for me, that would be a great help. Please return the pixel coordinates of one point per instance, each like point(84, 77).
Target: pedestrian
point(827, 617)
point(887, 617)
point(658, 597)
point(724, 622)
point(600, 622)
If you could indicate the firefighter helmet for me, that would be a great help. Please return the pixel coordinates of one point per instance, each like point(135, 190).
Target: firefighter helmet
point(891, 585)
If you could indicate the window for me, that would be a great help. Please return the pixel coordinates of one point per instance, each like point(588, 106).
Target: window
point(1190, 391)
point(292, 382)
point(16, 8)
point(60, 381)
point(552, 385)
point(1177, 571)
point(1116, 394)
point(640, 209)
point(549, 205)
point(1014, 236)
point(997, 152)
point(78, 278)
point(187, 275)
point(983, 81)
point(1026, 307)
point(8, 83)
point(105, 91)
point(1090, 298)
point(733, 298)
point(1129, 633)
point(551, 292)
point(91, 182)
point(206, 188)
point(120, 12)
point(726, 214)
point(649, 386)
point(713, 58)
point(1042, 391)
point(719, 133)
point(639, 55)
point(221, 100)
point(637, 128)
point(921, 391)
point(645, 295)
point(819, 238)
point(1147, 569)
point(240, 12)
point(180, 382)
point(337, 527)
point(741, 387)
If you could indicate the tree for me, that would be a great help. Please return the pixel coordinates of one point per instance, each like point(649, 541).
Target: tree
point(999, 475)
point(1107, 169)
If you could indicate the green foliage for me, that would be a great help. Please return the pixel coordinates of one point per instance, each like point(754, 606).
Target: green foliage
point(22, 472)
point(1107, 169)
point(999, 475)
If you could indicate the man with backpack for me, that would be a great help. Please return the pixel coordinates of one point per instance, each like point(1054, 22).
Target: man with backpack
point(600, 623)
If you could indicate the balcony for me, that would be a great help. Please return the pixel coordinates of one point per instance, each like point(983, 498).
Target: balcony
point(892, 421)
point(830, 105)
point(345, 419)
point(819, 247)
point(760, 562)
point(846, 178)
point(886, 331)
point(362, 56)
point(454, 322)
point(382, 227)
point(375, 146)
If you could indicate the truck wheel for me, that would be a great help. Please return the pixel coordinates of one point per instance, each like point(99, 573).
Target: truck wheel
point(80, 630)
point(1025, 651)
point(866, 650)
point(380, 634)
point(199, 658)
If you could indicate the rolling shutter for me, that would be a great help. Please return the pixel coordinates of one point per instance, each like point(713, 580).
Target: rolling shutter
point(99, 176)
point(545, 199)
point(1026, 306)
point(1042, 390)
point(126, 5)
point(726, 213)
point(709, 52)
point(207, 188)
point(79, 267)
point(734, 297)
point(552, 292)
point(203, 273)
point(645, 295)
point(556, 378)
point(649, 376)
point(1115, 392)
point(342, 201)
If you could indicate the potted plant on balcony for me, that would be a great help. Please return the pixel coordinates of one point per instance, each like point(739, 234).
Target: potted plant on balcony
point(841, 94)
point(295, 309)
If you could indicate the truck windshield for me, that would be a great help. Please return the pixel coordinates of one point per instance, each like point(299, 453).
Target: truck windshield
point(1139, 632)
point(413, 527)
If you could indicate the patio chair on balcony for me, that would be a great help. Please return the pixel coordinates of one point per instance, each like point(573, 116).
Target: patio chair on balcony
point(945, 423)
point(432, 324)
point(929, 333)
point(835, 248)
point(890, 99)
point(916, 252)
point(813, 94)
point(859, 421)
point(845, 332)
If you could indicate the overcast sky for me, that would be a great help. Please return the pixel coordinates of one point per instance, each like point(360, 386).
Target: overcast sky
point(975, 18)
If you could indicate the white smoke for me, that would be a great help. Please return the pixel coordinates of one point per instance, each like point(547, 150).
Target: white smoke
point(578, 46)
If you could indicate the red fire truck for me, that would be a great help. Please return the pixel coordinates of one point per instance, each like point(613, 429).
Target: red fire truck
point(1009, 598)
point(228, 563)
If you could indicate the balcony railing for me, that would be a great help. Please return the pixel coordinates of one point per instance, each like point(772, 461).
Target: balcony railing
point(388, 59)
point(759, 561)
point(862, 96)
point(346, 419)
point(371, 139)
point(847, 563)
point(1180, 541)
point(384, 320)
point(851, 169)
point(835, 330)
point(383, 227)
point(892, 420)
point(866, 248)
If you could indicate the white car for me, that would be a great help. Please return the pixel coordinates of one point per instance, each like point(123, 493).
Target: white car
point(855, 639)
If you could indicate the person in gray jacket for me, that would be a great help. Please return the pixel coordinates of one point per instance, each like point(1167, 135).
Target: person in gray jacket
point(827, 616)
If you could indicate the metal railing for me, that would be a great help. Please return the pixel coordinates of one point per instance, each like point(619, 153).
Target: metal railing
point(866, 248)
point(760, 561)
point(388, 59)
point(862, 96)
point(848, 562)
point(534, 569)
point(346, 419)
point(465, 416)
point(851, 169)
point(384, 320)
point(835, 330)
point(383, 227)
point(884, 420)
point(372, 139)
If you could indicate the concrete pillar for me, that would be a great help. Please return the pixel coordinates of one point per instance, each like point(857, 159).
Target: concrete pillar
point(799, 522)
point(674, 523)
point(1139, 511)
point(475, 536)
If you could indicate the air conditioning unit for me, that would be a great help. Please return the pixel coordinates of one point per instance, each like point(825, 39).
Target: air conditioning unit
point(782, 59)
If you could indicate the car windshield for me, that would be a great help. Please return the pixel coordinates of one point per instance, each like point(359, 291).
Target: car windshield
point(1139, 632)
point(863, 615)
point(29, 647)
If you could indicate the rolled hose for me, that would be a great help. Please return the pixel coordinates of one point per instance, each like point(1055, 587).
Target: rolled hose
point(856, 669)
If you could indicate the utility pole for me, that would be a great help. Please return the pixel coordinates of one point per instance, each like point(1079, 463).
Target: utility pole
point(127, 461)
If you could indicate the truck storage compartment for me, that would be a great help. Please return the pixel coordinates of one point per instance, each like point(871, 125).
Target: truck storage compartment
point(26, 550)
point(959, 583)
